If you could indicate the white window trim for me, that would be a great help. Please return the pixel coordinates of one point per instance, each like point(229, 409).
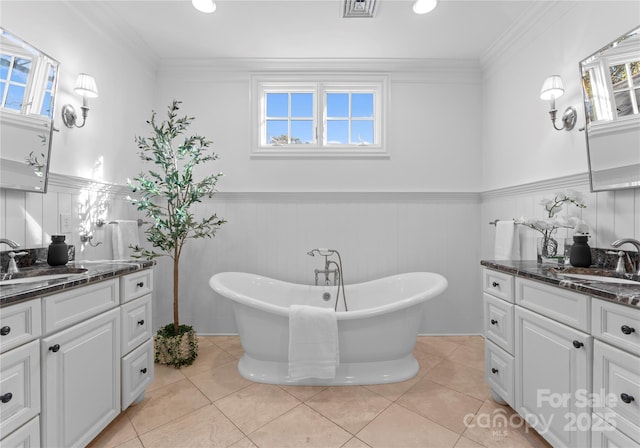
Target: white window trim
point(319, 83)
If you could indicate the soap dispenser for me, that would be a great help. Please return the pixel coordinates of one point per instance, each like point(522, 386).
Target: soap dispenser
point(58, 253)
point(580, 255)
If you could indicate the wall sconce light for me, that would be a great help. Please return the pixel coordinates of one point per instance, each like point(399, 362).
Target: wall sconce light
point(424, 6)
point(207, 6)
point(85, 86)
point(551, 89)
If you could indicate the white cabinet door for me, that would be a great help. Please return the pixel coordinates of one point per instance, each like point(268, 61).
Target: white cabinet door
point(80, 380)
point(553, 378)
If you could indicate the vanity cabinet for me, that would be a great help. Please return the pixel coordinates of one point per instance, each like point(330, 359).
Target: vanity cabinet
point(72, 361)
point(572, 366)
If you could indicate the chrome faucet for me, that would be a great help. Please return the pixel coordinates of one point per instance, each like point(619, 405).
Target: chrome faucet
point(620, 242)
point(337, 272)
point(12, 244)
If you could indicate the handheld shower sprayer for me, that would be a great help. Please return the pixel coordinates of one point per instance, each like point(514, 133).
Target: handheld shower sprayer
point(323, 252)
point(326, 253)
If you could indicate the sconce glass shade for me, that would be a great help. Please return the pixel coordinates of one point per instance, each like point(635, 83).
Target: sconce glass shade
point(424, 6)
point(207, 6)
point(552, 88)
point(86, 86)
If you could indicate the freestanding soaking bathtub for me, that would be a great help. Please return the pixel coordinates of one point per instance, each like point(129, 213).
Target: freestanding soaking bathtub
point(376, 336)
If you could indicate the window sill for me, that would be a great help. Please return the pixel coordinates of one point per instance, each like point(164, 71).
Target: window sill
point(327, 153)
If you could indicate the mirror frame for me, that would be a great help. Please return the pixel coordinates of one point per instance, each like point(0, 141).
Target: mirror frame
point(633, 122)
point(23, 171)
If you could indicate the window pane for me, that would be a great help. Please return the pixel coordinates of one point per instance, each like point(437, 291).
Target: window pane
point(3, 85)
point(20, 71)
point(277, 104)
point(302, 131)
point(5, 60)
point(362, 105)
point(50, 78)
point(623, 103)
point(362, 132)
point(337, 132)
point(46, 105)
point(14, 97)
point(637, 92)
point(301, 104)
point(277, 132)
point(337, 104)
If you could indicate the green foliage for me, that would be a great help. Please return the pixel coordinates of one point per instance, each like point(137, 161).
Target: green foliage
point(167, 193)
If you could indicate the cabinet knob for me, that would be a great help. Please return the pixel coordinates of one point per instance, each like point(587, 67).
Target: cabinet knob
point(626, 398)
point(578, 344)
point(5, 330)
point(141, 322)
point(494, 322)
point(54, 348)
point(494, 370)
point(143, 370)
point(626, 329)
point(6, 398)
point(140, 284)
point(495, 284)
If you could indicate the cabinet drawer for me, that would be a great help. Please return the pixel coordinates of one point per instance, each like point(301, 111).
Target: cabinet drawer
point(20, 323)
point(604, 435)
point(19, 386)
point(136, 285)
point(27, 436)
point(137, 373)
point(616, 379)
point(499, 371)
point(136, 323)
point(616, 324)
point(67, 308)
point(563, 306)
point(498, 322)
point(498, 284)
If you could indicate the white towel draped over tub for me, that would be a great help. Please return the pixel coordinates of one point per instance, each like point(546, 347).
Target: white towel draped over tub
point(313, 342)
point(123, 233)
point(507, 243)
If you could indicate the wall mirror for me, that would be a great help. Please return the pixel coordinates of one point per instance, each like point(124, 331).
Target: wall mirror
point(611, 91)
point(28, 80)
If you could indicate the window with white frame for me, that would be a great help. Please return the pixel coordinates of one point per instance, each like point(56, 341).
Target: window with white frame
point(313, 116)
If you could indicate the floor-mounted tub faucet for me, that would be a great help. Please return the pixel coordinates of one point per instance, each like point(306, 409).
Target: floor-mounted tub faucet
point(338, 278)
point(620, 242)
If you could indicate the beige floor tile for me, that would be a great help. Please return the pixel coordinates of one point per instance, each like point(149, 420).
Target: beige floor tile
point(462, 378)
point(455, 339)
point(497, 426)
point(166, 404)
point(256, 405)
point(427, 361)
point(440, 404)
point(300, 427)
point(435, 346)
point(475, 341)
point(206, 427)
point(469, 356)
point(401, 428)
point(244, 443)
point(206, 341)
point(220, 381)
point(208, 358)
point(355, 443)
point(230, 344)
point(303, 393)
point(351, 407)
point(163, 375)
point(463, 442)
point(119, 431)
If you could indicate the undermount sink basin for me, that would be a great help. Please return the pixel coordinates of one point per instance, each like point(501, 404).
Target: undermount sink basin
point(595, 275)
point(39, 275)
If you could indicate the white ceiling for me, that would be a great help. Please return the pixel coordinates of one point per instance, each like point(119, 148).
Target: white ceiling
point(457, 29)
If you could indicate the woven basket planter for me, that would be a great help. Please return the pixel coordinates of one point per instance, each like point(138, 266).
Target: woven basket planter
point(175, 350)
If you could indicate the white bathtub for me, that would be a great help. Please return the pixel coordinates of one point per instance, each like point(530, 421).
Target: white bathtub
point(376, 336)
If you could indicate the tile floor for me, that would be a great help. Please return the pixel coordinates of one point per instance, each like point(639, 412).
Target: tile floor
point(209, 404)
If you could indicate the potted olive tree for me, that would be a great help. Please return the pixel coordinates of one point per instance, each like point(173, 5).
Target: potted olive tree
point(166, 194)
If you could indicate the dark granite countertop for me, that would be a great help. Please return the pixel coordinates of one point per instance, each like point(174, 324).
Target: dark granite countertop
point(620, 293)
point(96, 271)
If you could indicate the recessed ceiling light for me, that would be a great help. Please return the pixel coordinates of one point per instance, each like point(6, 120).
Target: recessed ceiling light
point(424, 6)
point(207, 6)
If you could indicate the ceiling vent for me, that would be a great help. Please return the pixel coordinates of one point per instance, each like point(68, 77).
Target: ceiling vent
point(359, 8)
